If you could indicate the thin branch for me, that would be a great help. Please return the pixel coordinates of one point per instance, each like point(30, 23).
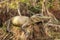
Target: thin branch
point(53, 25)
point(18, 10)
point(50, 14)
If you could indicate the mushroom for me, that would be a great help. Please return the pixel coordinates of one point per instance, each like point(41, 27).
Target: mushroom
point(19, 20)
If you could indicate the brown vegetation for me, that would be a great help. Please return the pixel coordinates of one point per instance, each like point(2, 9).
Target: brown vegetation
point(29, 20)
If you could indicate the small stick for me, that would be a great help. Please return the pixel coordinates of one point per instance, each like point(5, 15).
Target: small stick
point(8, 29)
point(53, 25)
point(18, 10)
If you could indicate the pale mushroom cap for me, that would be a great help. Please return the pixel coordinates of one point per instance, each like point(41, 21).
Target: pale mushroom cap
point(19, 20)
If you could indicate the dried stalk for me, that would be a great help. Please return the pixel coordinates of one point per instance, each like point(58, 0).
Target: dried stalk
point(53, 25)
point(50, 14)
point(43, 7)
point(5, 37)
point(18, 8)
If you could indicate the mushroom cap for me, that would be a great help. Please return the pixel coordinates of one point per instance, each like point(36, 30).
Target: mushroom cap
point(19, 20)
